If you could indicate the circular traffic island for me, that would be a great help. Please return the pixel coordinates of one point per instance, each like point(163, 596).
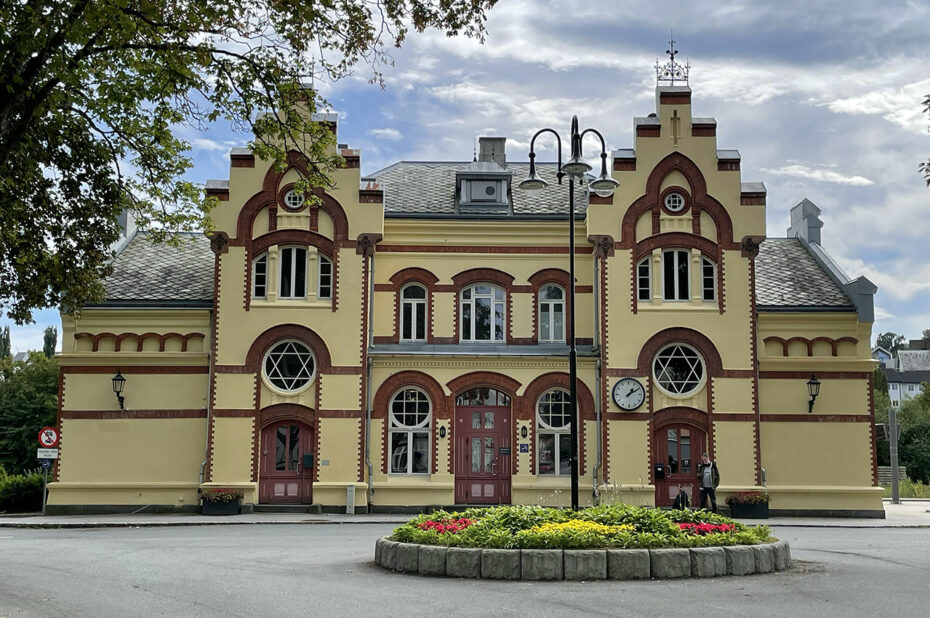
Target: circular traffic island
point(602, 542)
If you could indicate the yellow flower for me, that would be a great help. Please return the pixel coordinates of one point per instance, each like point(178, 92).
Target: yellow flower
point(578, 525)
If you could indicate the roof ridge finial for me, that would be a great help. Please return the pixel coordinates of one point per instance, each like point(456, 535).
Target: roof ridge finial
point(474, 156)
point(672, 70)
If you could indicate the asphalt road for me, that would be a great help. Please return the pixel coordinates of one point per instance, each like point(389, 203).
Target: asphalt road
point(326, 570)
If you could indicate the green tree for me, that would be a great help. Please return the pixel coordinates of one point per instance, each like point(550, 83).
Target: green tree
point(914, 451)
point(891, 342)
point(5, 348)
point(50, 341)
point(28, 402)
point(92, 90)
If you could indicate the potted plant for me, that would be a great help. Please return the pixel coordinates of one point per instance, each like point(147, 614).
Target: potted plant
point(221, 501)
point(749, 504)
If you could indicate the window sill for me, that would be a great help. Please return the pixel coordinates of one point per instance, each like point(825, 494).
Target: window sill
point(679, 305)
point(282, 303)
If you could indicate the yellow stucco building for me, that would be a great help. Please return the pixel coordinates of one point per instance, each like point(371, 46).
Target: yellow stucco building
point(402, 343)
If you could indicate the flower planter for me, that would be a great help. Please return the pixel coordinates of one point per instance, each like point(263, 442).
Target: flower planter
point(220, 508)
point(758, 510)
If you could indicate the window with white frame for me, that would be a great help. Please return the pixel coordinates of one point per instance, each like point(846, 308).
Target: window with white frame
point(482, 313)
point(708, 280)
point(289, 366)
point(324, 274)
point(293, 199)
point(260, 276)
point(644, 279)
point(413, 313)
point(678, 369)
point(553, 415)
point(410, 432)
point(910, 388)
point(551, 314)
point(292, 282)
point(676, 274)
point(894, 387)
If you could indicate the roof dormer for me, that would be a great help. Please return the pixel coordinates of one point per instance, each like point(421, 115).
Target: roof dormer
point(484, 186)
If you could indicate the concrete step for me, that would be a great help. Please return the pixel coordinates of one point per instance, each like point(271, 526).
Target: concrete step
point(287, 508)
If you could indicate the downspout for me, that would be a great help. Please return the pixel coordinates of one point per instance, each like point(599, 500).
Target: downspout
point(217, 243)
point(368, 343)
point(597, 380)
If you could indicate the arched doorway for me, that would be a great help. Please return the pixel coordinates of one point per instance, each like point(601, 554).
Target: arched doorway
point(678, 447)
point(482, 447)
point(286, 463)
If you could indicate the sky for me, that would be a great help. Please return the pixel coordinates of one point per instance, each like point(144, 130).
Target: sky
point(822, 99)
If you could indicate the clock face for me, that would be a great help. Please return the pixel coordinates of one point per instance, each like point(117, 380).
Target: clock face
point(629, 394)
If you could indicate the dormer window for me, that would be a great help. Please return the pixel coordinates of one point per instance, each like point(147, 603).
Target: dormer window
point(485, 192)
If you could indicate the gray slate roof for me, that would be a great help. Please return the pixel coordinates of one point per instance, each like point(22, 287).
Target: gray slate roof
point(146, 274)
point(914, 360)
point(427, 188)
point(788, 276)
point(907, 377)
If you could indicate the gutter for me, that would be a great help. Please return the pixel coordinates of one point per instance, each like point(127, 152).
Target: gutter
point(597, 382)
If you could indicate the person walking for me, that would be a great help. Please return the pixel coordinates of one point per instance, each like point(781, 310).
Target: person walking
point(708, 478)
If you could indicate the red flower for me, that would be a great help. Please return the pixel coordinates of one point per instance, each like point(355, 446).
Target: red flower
point(705, 528)
point(447, 525)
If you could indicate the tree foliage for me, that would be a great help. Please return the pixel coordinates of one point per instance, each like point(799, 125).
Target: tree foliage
point(5, 345)
point(28, 402)
point(49, 341)
point(891, 342)
point(93, 93)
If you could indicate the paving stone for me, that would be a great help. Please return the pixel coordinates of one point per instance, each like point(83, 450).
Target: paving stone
point(500, 564)
point(782, 555)
point(389, 554)
point(463, 562)
point(585, 564)
point(764, 558)
point(740, 560)
point(379, 545)
point(628, 564)
point(708, 562)
point(670, 563)
point(538, 564)
point(408, 558)
point(432, 560)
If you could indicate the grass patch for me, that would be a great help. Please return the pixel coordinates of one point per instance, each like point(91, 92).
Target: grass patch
point(614, 526)
point(910, 489)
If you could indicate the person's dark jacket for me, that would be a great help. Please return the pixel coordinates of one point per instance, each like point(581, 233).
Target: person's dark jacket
point(714, 473)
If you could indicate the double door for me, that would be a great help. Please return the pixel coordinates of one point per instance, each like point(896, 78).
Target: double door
point(482, 454)
point(286, 468)
point(678, 453)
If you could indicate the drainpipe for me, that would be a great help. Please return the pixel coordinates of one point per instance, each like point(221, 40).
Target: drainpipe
point(368, 344)
point(597, 411)
point(210, 369)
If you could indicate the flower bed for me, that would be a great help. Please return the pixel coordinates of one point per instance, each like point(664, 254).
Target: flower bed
point(610, 526)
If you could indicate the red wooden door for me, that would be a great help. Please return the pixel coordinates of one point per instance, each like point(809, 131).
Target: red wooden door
point(678, 451)
point(284, 477)
point(482, 452)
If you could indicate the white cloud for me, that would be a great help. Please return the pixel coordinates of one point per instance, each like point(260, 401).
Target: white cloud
point(821, 175)
point(386, 133)
point(203, 143)
point(883, 314)
point(900, 105)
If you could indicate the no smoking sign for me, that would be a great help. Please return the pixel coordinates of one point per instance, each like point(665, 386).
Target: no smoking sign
point(48, 437)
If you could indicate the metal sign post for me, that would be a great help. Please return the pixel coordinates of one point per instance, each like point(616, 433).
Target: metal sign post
point(893, 454)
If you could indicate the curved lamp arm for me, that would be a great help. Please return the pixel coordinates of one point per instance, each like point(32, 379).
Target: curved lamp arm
point(533, 177)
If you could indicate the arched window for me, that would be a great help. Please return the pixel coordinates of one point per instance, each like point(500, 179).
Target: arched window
point(324, 277)
point(482, 313)
point(410, 432)
point(289, 366)
point(292, 282)
point(553, 415)
point(260, 276)
point(413, 313)
point(551, 314)
point(678, 369)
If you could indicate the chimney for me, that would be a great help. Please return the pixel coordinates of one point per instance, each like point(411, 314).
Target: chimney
point(492, 149)
point(805, 222)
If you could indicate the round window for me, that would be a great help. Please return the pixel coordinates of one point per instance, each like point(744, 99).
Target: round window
point(293, 199)
point(674, 202)
point(555, 410)
point(410, 408)
point(678, 369)
point(289, 366)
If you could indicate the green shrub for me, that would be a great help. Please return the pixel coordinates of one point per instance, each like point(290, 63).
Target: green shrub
point(20, 492)
point(910, 489)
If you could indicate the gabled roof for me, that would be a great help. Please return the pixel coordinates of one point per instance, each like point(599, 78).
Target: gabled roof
point(789, 278)
point(907, 377)
point(427, 189)
point(146, 274)
point(913, 360)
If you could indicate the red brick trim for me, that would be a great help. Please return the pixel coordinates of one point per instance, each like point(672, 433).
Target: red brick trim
point(816, 418)
point(340, 414)
point(535, 390)
point(873, 445)
point(682, 415)
point(648, 130)
point(286, 412)
point(162, 338)
point(483, 275)
point(282, 190)
point(683, 192)
point(478, 379)
point(545, 277)
point(754, 338)
point(370, 196)
point(274, 334)
point(742, 418)
point(699, 341)
point(485, 250)
point(400, 280)
point(132, 414)
point(752, 199)
point(728, 165)
point(242, 160)
point(220, 194)
point(625, 165)
point(289, 237)
point(674, 98)
point(834, 343)
point(594, 198)
point(804, 375)
point(441, 408)
point(677, 240)
point(233, 413)
point(629, 416)
point(703, 130)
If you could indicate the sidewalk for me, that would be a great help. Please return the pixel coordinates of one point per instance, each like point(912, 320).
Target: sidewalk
point(908, 514)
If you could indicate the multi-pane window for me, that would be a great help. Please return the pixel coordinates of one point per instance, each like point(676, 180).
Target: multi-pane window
point(410, 419)
point(644, 279)
point(324, 288)
point(675, 275)
point(293, 199)
point(482, 313)
point(553, 417)
point(413, 313)
point(678, 369)
point(260, 276)
point(551, 313)
point(292, 282)
point(289, 366)
point(708, 280)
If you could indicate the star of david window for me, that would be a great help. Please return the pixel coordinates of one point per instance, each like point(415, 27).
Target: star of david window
point(678, 369)
point(289, 366)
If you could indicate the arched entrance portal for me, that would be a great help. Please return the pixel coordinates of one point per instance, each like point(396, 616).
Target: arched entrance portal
point(678, 448)
point(482, 447)
point(286, 463)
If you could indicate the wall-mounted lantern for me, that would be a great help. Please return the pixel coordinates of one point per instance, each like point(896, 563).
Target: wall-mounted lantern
point(118, 383)
point(524, 431)
point(813, 389)
point(442, 431)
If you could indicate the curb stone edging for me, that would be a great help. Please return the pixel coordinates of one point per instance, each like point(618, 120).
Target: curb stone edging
point(581, 564)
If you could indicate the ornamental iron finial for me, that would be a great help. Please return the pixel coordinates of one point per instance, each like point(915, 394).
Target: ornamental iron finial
point(672, 71)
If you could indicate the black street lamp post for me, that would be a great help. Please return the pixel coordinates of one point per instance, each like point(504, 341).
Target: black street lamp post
point(604, 185)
